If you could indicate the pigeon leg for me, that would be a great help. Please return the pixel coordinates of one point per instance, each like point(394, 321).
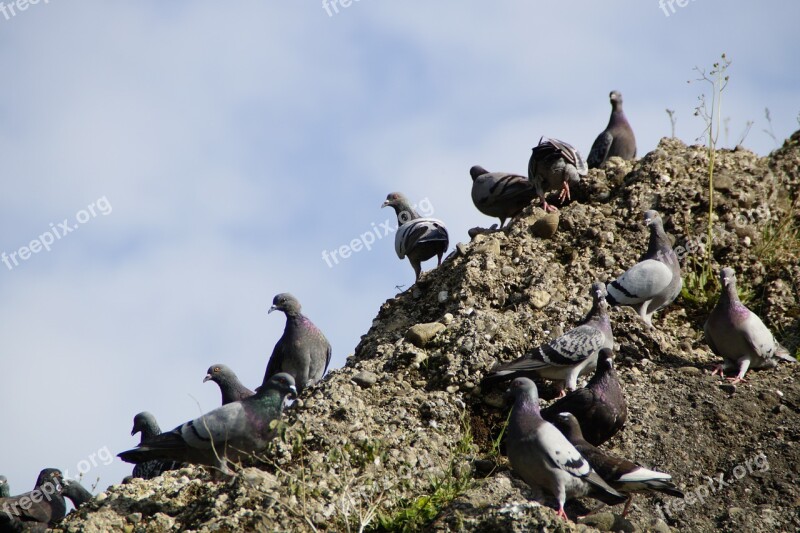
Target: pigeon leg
point(744, 364)
point(627, 506)
point(717, 369)
point(561, 513)
point(417, 269)
point(564, 192)
point(547, 207)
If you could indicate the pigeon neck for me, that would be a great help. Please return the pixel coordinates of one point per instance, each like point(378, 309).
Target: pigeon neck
point(150, 430)
point(658, 240)
point(77, 494)
point(617, 115)
point(405, 213)
point(729, 295)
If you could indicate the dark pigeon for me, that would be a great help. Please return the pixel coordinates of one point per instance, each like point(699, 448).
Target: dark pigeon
point(569, 356)
point(625, 476)
point(617, 139)
point(417, 238)
point(655, 281)
point(599, 407)
point(229, 385)
point(23, 512)
point(5, 490)
point(554, 165)
point(302, 351)
point(228, 433)
point(739, 336)
point(544, 458)
point(500, 194)
point(145, 424)
point(76, 492)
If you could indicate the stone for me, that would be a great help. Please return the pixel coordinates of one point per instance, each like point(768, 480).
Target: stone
point(365, 379)
point(421, 335)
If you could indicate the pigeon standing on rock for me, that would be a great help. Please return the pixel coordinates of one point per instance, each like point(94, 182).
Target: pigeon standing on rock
point(554, 165)
point(544, 458)
point(738, 335)
point(5, 490)
point(500, 194)
point(228, 433)
point(76, 492)
point(625, 476)
point(617, 139)
point(600, 407)
point(655, 281)
point(229, 385)
point(418, 238)
point(41, 507)
point(146, 425)
point(302, 351)
point(567, 357)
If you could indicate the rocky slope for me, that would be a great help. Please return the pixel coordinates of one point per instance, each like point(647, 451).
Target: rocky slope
point(402, 437)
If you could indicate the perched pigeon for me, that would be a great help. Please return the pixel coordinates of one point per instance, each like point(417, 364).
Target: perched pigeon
point(76, 492)
point(617, 139)
point(567, 357)
point(500, 194)
point(418, 238)
point(738, 336)
point(544, 458)
point(5, 491)
point(302, 351)
point(655, 281)
point(229, 384)
point(625, 476)
point(599, 407)
point(228, 433)
point(145, 424)
point(554, 165)
point(41, 507)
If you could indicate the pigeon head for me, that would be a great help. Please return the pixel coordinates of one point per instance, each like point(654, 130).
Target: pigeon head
point(599, 292)
point(476, 171)
point(401, 207)
point(569, 426)
point(285, 302)
point(523, 388)
point(605, 358)
point(218, 373)
point(50, 475)
point(282, 382)
point(616, 99)
point(651, 217)
point(145, 423)
point(393, 199)
point(728, 277)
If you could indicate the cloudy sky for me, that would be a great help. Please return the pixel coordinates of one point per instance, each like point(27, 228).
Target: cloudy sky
point(208, 153)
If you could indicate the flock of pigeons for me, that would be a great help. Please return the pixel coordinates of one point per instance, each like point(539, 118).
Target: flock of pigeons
point(554, 449)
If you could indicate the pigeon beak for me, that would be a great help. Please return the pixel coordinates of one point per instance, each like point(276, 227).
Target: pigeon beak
point(385, 204)
point(207, 378)
point(293, 391)
point(134, 431)
point(273, 308)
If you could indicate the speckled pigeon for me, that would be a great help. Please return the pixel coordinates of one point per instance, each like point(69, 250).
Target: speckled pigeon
point(418, 238)
point(625, 476)
point(76, 492)
point(500, 194)
point(554, 165)
point(738, 335)
point(655, 281)
point(25, 511)
point(5, 490)
point(617, 139)
point(146, 425)
point(600, 407)
point(567, 357)
point(229, 385)
point(302, 351)
point(544, 458)
point(228, 433)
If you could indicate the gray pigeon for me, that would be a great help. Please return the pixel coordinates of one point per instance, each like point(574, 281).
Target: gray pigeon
point(625, 476)
point(500, 194)
point(554, 165)
point(570, 355)
point(544, 458)
point(418, 238)
point(617, 139)
point(655, 281)
point(600, 407)
point(5, 490)
point(146, 425)
point(302, 351)
point(738, 336)
point(39, 508)
point(228, 433)
point(229, 385)
point(76, 492)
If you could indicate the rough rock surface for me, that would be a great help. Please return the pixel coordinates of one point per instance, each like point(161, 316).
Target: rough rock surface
point(350, 452)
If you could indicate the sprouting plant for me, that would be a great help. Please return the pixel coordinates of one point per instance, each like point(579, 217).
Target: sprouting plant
point(746, 131)
point(769, 131)
point(672, 120)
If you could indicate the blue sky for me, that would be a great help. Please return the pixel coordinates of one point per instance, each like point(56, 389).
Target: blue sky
point(235, 142)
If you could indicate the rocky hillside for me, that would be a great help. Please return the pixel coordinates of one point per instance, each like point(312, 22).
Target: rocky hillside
point(402, 438)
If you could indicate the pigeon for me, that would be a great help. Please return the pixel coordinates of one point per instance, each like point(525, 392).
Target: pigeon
point(567, 357)
point(738, 335)
point(302, 351)
point(5, 490)
point(228, 433)
point(544, 458)
point(599, 407)
point(76, 492)
point(554, 165)
point(500, 194)
point(655, 281)
point(145, 424)
point(41, 507)
point(617, 139)
point(418, 238)
point(625, 476)
point(230, 386)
